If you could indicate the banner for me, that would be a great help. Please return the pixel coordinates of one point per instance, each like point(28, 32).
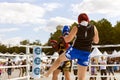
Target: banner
point(36, 62)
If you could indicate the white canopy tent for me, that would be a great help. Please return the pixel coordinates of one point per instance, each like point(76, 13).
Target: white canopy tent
point(16, 59)
point(115, 54)
point(96, 53)
point(105, 53)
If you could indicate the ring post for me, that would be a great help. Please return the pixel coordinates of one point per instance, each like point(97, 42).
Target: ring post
point(27, 61)
point(36, 62)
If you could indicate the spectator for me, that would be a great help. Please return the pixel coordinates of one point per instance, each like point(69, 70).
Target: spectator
point(103, 71)
point(110, 68)
point(23, 68)
point(93, 69)
point(9, 70)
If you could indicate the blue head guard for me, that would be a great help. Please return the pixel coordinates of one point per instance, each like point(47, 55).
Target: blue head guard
point(65, 30)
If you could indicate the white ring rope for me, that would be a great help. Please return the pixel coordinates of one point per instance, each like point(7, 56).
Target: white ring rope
point(89, 65)
point(31, 46)
point(14, 66)
point(103, 46)
point(13, 55)
point(99, 46)
point(19, 78)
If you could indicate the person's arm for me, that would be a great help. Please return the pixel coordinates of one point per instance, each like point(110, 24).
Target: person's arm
point(96, 36)
point(71, 34)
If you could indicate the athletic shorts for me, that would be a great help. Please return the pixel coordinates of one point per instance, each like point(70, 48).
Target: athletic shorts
point(9, 72)
point(81, 56)
point(66, 66)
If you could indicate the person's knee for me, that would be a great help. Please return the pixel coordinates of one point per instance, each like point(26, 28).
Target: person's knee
point(67, 76)
point(81, 78)
point(55, 73)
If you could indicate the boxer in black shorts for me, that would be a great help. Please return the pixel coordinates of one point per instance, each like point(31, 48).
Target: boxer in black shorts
point(65, 67)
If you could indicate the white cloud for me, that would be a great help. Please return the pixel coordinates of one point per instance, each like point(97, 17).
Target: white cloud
point(1, 36)
point(37, 29)
point(12, 41)
point(25, 0)
point(109, 8)
point(4, 30)
point(54, 22)
point(51, 6)
point(18, 13)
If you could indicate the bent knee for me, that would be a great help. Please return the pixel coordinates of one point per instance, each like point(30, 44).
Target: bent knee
point(55, 75)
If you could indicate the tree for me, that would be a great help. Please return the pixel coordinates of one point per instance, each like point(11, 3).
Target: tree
point(36, 42)
point(117, 33)
point(105, 30)
point(59, 27)
point(3, 48)
point(24, 42)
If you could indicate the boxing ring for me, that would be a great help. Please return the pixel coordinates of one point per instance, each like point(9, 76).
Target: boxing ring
point(29, 74)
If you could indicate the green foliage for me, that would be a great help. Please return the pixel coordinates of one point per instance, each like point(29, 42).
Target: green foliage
point(24, 42)
point(3, 48)
point(105, 30)
point(74, 24)
point(117, 33)
point(16, 49)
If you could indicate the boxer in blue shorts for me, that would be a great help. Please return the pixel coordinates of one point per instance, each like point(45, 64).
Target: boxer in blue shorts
point(81, 56)
point(85, 34)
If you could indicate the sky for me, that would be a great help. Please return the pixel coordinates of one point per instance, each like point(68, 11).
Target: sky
point(36, 19)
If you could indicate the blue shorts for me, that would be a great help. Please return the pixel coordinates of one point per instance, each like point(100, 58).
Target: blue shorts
point(81, 56)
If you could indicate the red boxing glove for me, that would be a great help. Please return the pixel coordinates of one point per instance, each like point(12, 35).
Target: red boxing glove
point(67, 45)
point(62, 40)
point(54, 44)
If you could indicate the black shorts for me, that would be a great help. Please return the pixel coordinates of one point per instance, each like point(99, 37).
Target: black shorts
point(66, 66)
point(9, 71)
